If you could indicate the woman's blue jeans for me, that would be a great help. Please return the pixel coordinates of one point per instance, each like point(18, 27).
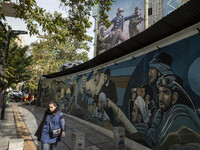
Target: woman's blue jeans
point(46, 146)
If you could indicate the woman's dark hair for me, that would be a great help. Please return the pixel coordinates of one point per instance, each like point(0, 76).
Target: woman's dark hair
point(54, 103)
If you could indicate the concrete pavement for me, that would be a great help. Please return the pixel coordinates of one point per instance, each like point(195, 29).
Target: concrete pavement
point(13, 132)
point(7, 129)
point(96, 137)
point(93, 139)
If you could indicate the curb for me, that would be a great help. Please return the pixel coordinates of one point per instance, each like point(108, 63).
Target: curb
point(128, 143)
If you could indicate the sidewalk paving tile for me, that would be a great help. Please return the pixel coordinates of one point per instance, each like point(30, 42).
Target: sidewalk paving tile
point(16, 144)
point(4, 143)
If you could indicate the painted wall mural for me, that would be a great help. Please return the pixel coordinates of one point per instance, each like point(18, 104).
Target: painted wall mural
point(155, 97)
point(127, 18)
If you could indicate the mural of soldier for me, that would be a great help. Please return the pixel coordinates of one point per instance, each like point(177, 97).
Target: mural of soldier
point(160, 65)
point(100, 108)
point(118, 23)
point(140, 114)
point(140, 111)
point(100, 113)
point(69, 100)
point(91, 89)
point(110, 91)
point(120, 15)
point(109, 87)
point(173, 120)
point(59, 91)
point(176, 115)
point(134, 22)
point(103, 39)
point(129, 127)
point(54, 90)
point(99, 83)
point(141, 98)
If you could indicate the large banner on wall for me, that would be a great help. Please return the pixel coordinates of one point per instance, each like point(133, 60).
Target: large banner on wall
point(155, 96)
point(171, 5)
point(127, 18)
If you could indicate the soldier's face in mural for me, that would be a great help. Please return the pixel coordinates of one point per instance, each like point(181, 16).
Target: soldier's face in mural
point(134, 114)
point(54, 85)
point(141, 92)
point(100, 105)
point(137, 11)
point(165, 98)
point(103, 30)
point(153, 75)
point(97, 75)
point(134, 93)
point(147, 99)
point(120, 13)
point(138, 92)
point(106, 78)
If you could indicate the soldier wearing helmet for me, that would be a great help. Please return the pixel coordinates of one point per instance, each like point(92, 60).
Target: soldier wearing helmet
point(103, 39)
point(133, 24)
point(119, 10)
point(118, 23)
point(137, 8)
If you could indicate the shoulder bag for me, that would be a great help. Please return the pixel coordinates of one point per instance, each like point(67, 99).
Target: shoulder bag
point(56, 132)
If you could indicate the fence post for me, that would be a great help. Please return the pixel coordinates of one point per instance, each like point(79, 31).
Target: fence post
point(119, 136)
point(78, 141)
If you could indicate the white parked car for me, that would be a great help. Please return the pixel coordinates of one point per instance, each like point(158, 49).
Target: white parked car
point(15, 95)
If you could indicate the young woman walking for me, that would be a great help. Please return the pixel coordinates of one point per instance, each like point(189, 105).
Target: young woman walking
point(52, 127)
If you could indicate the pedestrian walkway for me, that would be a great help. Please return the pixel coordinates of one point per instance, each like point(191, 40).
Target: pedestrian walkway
point(93, 139)
point(21, 122)
point(22, 130)
point(7, 129)
point(13, 132)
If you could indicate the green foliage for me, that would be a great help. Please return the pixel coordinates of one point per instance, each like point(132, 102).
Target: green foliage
point(65, 39)
point(17, 62)
point(49, 55)
point(80, 11)
point(76, 24)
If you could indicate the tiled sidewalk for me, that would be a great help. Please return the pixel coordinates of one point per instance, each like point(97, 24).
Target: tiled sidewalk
point(13, 132)
point(93, 139)
point(21, 122)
